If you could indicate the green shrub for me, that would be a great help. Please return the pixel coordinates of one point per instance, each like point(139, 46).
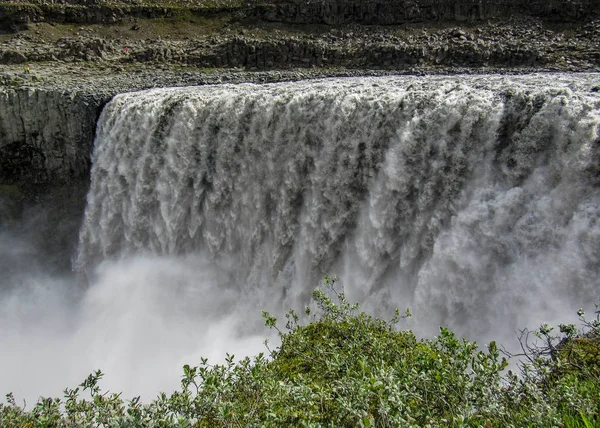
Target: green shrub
point(346, 368)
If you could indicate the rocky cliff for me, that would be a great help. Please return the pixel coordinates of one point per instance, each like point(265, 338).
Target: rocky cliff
point(388, 12)
point(45, 140)
point(46, 135)
point(18, 13)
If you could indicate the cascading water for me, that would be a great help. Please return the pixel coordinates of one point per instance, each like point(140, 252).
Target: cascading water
point(473, 200)
point(466, 198)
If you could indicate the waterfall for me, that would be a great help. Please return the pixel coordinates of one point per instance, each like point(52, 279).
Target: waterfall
point(470, 199)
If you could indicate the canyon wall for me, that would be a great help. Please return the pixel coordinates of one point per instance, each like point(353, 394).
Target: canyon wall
point(46, 135)
point(387, 12)
point(16, 15)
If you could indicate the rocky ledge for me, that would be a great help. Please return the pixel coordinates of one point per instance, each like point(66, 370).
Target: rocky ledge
point(515, 42)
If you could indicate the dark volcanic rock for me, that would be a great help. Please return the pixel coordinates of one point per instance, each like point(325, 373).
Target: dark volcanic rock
point(46, 135)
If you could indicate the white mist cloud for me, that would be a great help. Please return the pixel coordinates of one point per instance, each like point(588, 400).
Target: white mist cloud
point(140, 321)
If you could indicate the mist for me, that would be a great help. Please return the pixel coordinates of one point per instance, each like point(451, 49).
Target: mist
point(139, 321)
point(143, 317)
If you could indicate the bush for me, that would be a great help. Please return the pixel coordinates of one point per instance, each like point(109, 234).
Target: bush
point(346, 368)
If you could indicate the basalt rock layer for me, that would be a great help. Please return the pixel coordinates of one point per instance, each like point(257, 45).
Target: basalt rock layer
point(18, 13)
point(46, 135)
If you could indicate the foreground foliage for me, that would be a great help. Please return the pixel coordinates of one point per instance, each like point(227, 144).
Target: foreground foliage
point(347, 368)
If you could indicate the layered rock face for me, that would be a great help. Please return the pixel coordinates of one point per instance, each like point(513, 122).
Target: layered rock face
point(46, 135)
point(379, 12)
point(387, 12)
point(45, 140)
point(520, 42)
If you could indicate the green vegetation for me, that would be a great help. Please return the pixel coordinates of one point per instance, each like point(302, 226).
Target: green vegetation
point(346, 368)
point(11, 190)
